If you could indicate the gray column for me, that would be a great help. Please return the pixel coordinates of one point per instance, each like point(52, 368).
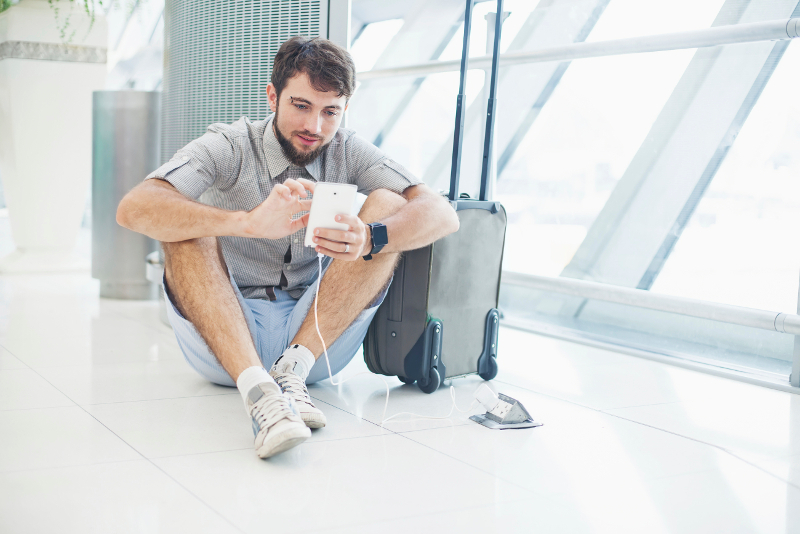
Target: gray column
point(125, 148)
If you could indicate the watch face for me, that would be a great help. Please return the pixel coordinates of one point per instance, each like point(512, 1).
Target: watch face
point(379, 235)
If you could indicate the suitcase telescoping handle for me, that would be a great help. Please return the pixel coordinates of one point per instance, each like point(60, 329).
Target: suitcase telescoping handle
point(458, 137)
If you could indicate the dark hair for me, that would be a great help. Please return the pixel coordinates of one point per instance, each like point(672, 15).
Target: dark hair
point(329, 67)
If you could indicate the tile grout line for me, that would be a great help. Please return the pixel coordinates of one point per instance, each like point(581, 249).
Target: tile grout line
point(201, 501)
point(712, 445)
point(403, 435)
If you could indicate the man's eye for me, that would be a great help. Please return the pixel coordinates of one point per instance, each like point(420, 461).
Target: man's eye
point(331, 113)
point(301, 106)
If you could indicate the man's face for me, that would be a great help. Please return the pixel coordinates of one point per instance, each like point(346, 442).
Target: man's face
point(305, 119)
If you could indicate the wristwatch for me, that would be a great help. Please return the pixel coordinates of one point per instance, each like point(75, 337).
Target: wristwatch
point(380, 238)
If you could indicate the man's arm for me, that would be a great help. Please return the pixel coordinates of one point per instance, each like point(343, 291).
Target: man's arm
point(425, 218)
point(158, 210)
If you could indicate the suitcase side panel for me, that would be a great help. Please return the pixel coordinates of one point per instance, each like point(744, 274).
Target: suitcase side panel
point(400, 321)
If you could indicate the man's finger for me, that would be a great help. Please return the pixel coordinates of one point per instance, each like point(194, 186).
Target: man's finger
point(305, 205)
point(329, 244)
point(298, 224)
point(350, 220)
point(295, 187)
point(282, 191)
point(308, 184)
point(335, 235)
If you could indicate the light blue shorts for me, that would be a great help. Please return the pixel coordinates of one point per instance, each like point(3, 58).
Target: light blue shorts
point(272, 324)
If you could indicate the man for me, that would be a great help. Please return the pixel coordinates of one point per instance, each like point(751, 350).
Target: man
point(238, 279)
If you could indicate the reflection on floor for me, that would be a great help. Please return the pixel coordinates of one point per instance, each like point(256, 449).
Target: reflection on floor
point(105, 429)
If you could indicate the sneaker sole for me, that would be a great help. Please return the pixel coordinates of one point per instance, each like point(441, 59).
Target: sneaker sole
point(283, 442)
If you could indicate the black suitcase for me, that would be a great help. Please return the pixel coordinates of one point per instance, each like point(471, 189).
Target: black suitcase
point(439, 319)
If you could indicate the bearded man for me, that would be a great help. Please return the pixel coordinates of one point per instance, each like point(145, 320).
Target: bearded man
point(230, 210)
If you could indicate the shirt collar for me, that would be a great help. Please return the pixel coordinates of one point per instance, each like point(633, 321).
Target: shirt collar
point(276, 159)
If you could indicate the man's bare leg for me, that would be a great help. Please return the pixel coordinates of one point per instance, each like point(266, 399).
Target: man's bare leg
point(348, 287)
point(201, 290)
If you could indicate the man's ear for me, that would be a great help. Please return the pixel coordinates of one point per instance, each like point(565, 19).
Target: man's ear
point(272, 97)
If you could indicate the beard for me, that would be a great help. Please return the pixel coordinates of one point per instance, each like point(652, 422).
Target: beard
point(301, 159)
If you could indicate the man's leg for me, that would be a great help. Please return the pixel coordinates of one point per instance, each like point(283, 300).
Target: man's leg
point(200, 288)
point(347, 288)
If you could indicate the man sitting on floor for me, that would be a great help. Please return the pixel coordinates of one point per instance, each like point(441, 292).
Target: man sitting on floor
point(238, 279)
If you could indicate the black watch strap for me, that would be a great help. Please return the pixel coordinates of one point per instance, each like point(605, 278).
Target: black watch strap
point(379, 237)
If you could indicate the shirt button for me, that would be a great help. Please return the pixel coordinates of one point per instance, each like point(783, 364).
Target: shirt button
point(185, 158)
point(296, 240)
point(288, 267)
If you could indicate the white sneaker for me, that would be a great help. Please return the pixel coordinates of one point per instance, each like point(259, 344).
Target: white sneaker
point(276, 425)
point(295, 387)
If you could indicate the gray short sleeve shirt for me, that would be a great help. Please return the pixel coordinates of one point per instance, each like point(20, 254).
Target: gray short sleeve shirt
point(235, 166)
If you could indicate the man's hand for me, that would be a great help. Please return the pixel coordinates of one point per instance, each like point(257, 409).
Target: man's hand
point(272, 219)
point(348, 244)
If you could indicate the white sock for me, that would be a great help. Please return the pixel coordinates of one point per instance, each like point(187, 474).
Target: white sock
point(251, 377)
point(296, 359)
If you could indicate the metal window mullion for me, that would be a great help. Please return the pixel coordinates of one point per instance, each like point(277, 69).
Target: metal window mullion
point(774, 30)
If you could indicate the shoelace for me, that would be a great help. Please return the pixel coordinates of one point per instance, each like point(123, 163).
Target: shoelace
point(292, 384)
point(269, 410)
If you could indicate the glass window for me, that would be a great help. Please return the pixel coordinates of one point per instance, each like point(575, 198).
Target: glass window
point(740, 244)
point(633, 18)
point(576, 150)
point(371, 41)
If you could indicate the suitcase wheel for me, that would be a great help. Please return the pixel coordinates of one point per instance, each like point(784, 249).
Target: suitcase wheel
point(433, 382)
point(491, 372)
point(405, 380)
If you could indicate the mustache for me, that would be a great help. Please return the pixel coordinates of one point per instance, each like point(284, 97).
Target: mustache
point(308, 134)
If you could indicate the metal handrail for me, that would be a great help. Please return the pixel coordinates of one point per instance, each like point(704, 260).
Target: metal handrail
point(786, 323)
point(773, 30)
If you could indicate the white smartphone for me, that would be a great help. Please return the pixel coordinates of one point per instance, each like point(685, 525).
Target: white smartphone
point(329, 201)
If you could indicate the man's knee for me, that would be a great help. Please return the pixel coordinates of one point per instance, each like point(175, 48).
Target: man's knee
point(381, 203)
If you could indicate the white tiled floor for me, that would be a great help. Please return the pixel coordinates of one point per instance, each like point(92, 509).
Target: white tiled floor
point(104, 428)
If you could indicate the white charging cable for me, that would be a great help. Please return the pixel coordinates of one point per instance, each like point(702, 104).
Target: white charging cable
point(384, 419)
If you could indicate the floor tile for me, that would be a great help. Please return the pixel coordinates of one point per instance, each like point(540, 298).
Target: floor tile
point(173, 427)
point(23, 388)
point(586, 375)
point(365, 397)
point(145, 312)
point(576, 451)
point(540, 515)
point(8, 361)
point(341, 482)
point(82, 339)
point(57, 437)
point(740, 417)
point(122, 382)
point(111, 498)
point(734, 498)
point(187, 425)
point(787, 468)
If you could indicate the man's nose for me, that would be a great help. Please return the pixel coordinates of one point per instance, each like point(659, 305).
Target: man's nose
point(313, 124)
